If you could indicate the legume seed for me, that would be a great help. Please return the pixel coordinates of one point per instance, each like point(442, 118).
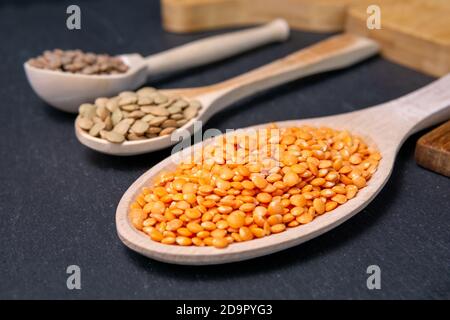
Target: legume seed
point(139, 127)
point(85, 123)
point(96, 128)
point(167, 131)
point(114, 136)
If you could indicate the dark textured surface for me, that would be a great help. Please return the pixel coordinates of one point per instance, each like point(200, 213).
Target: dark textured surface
point(58, 199)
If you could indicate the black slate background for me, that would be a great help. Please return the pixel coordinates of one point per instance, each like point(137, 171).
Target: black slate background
point(58, 199)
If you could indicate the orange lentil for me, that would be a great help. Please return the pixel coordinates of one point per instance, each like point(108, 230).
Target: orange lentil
point(137, 217)
point(216, 218)
point(218, 233)
point(291, 179)
point(298, 200)
point(274, 177)
point(197, 242)
point(237, 185)
point(243, 171)
point(275, 207)
point(148, 229)
point(211, 200)
point(257, 232)
point(346, 180)
point(209, 203)
point(183, 241)
point(246, 184)
point(184, 232)
point(174, 224)
point(264, 197)
point(208, 225)
point(339, 189)
point(351, 191)
point(208, 216)
point(319, 205)
point(220, 243)
point(248, 220)
point(317, 182)
point(169, 234)
point(158, 207)
point(247, 207)
point(245, 234)
point(288, 218)
point(359, 182)
point(236, 219)
point(194, 227)
point(339, 198)
point(156, 235)
point(289, 159)
point(275, 219)
point(209, 241)
point(135, 205)
point(306, 217)
point(259, 181)
point(141, 201)
point(327, 193)
point(293, 223)
point(193, 213)
point(205, 189)
point(203, 234)
point(168, 240)
point(278, 228)
point(296, 211)
point(149, 222)
point(330, 205)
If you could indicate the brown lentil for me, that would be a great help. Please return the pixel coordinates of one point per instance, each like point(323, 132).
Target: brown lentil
point(77, 61)
point(214, 202)
point(126, 117)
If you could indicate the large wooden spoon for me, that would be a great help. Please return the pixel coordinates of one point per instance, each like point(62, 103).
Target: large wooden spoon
point(334, 53)
point(385, 126)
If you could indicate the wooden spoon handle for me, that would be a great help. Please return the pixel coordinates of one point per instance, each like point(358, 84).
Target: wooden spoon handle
point(334, 53)
point(216, 48)
point(422, 108)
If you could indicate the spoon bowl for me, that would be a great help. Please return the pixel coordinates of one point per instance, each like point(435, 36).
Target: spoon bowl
point(334, 53)
point(385, 127)
point(66, 91)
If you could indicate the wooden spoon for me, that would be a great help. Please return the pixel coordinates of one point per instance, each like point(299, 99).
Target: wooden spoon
point(66, 91)
point(385, 126)
point(334, 53)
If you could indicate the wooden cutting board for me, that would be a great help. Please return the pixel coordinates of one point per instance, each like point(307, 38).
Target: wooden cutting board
point(414, 33)
point(433, 150)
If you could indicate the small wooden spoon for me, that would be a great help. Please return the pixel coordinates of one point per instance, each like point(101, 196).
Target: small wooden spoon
point(66, 91)
point(334, 53)
point(385, 126)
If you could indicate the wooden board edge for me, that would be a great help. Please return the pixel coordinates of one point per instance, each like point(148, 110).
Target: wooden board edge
point(429, 156)
point(189, 16)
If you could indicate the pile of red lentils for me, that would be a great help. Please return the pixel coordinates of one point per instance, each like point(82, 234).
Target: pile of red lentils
point(248, 186)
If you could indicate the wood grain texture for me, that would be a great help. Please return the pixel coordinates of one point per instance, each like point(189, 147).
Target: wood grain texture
point(414, 33)
point(407, 115)
point(433, 150)
point(198, 15)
